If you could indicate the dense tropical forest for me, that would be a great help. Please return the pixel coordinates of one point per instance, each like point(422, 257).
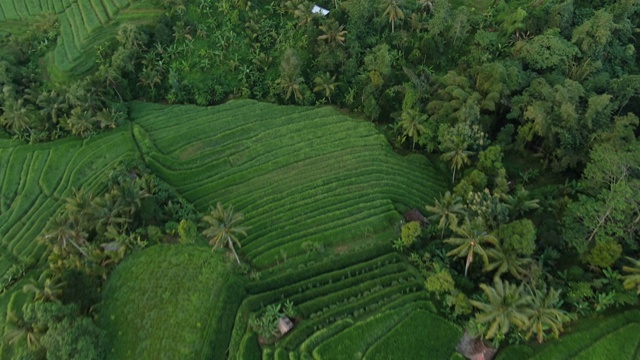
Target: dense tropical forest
point(344, 179)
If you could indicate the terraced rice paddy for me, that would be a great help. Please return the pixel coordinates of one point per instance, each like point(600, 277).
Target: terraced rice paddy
point(84, 25)
point(34, 181)
point(613, 337)
point(299, 175)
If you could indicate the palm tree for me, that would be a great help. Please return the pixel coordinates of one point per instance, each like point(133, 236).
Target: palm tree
point(16, 116)
point(392, 10)
point(633, 279)
point(150, 77)
point(469, 242)
point(223, 228)
point(304, 14)
point(129, 195)
point(507, 305)
point(325, 83)
point(18, 327)
point(505, 261)
point(52, 104)
point(47, 288)
point(291, 85)
point(64, 233)
point(418, 22)
point(519, 204)
point(80, 122)
point(458, 157)
point(411, 122)
point(546, 314)
point(79, 208)
point(333, 32)
point(446, 211)
point(110, 211)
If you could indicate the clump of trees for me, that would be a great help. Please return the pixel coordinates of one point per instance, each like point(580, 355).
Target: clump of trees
point(265, 321)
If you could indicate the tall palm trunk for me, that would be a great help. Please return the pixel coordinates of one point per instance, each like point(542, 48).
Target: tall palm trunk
point(233, 250)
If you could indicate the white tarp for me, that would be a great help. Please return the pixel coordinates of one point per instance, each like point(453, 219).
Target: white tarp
point(318, 10)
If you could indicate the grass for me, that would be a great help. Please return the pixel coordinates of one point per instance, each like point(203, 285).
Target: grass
point(169, 302)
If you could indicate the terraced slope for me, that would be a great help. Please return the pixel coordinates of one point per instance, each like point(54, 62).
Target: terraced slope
point(353, 299)
point(298, 174)
point(33, 181)
point(84, 24)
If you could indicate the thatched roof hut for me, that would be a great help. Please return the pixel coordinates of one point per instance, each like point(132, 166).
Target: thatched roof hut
point(473, 348)
point(285, 325)
point(415, 215)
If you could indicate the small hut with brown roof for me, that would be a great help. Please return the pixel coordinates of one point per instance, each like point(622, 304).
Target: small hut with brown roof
point(415, 215)
point(285, 325)
point(473, 348)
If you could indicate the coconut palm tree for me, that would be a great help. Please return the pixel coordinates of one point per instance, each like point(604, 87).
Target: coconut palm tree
point(47, 288)
point(446, 211)
point(18, 328)
point(129, 194)
point(291, 85)
point(507, 305)
point(80, 122)
point(110, 211)
point(52, 104)
point(469, 242)
point(66, 235)
point(80, 209)
point(325, 83)
point(16, 116)
point(411, 122)
point(333, 32)
point(633, 279)
point(223, 228)
point(303, 13)
point(506, 261)
point(393, 11)
point(459, 157)
point(520, 204)
point(546, 314)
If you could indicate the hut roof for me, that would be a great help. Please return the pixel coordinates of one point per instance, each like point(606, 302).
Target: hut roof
point(473, 348)
point(415, 215)
point(285, 325)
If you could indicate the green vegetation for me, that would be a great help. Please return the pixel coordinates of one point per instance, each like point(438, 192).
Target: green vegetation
point(513, 125)
point(83, 26)
point(151, 311)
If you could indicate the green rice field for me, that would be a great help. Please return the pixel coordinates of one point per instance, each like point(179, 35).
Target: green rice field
point(84, 25)
point(299, 175)
point(34, 180)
